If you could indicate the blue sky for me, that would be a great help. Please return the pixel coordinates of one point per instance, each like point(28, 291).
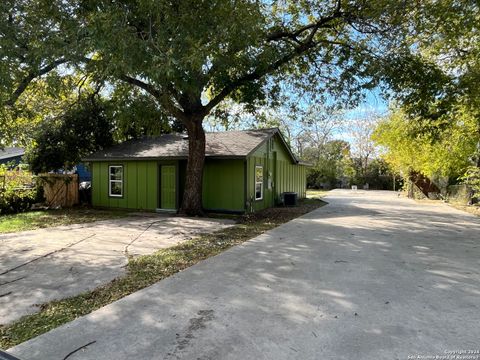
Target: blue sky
point(373, 103)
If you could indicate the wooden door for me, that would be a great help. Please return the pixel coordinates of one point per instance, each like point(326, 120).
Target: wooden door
point(167, 187)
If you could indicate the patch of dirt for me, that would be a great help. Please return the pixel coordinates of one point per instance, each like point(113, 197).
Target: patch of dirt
point(283, 214)
point(195, 324)
point(472, 209)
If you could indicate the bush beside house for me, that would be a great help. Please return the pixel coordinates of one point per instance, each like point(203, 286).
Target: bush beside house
point(18, 190)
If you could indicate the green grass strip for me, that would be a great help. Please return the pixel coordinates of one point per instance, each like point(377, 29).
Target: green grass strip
point(40, 219)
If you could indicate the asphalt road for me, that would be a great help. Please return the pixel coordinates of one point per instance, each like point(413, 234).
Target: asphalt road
point(369, 276)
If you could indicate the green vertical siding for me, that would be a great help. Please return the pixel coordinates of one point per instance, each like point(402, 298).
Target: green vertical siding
point(131, 186)
point(96, 183)
point(284, 175)
point(142, 179)
point(223, 185)
point(152, 185)
point(228, 185)
point(140, 185)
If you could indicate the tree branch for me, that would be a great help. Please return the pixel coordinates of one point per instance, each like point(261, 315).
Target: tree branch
point(300, 48)
point(163, 99)
point(293, 35)
point(254, 75)
point(30, 77)
point(324, 22)
point(259, 73)
point(147, 87)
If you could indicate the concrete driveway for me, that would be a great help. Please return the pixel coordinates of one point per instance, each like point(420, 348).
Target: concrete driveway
point(42, 265)
point(369, 276)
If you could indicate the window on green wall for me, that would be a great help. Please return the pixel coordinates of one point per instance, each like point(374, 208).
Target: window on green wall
point(258, 182)
point(115, 180)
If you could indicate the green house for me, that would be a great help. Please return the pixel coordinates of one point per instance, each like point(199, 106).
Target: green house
point(245, 171)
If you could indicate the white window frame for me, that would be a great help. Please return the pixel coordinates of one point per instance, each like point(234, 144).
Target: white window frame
point(110, 181)
point(258, 182)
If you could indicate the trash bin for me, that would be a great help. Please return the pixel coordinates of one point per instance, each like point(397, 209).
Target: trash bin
point(290, 198)
point(85, 193)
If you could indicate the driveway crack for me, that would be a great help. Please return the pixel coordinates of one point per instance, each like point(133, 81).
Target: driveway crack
point(83, 347)
point(47, 255)
point(12, 281)
point(125, 250)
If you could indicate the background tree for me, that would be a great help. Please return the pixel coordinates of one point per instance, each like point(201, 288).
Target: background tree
point(61, 142)
point(329, 164)
point(191, 56)
point(61, 121)
point(363, 148)
point(446, 152)
point(439, 135)
point(136, 114)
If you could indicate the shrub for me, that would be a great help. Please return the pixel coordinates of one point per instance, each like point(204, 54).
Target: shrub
point(17, 191)
point(17, 201)
point(472, 179)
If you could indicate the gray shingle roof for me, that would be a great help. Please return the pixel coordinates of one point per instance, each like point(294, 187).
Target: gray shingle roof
point(218, 144)
point(10, 152)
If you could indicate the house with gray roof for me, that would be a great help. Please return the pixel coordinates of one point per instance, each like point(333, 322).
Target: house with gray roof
point(11, 155)
point(245, 171)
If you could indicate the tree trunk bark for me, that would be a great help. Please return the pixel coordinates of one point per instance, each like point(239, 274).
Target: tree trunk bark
point(192, 196)
point(478, 146)
point(411, 183)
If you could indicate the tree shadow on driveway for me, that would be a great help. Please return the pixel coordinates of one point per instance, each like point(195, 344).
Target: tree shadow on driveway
point(369, 284)
point(42, 265)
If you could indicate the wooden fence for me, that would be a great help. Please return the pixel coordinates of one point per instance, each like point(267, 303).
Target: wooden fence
point(60, 190)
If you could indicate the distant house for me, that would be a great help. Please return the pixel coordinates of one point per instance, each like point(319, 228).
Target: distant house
point(11, 155)
point(244, 171)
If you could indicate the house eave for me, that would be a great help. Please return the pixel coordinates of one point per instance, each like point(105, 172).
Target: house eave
point(307, 164)
point(162, 158)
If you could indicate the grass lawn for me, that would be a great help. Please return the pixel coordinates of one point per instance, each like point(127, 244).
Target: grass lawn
point(146, 270)
point(47, 218)
point(314, 193)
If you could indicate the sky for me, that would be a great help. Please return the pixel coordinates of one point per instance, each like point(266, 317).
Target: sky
point(373, 103)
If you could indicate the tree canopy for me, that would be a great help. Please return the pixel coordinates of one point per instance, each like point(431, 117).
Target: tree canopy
point(440, 135)
point(61, 142)
point(444, 153)
point(190, 56)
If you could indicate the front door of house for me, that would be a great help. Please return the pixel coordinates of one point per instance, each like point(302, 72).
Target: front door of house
point(167, 187)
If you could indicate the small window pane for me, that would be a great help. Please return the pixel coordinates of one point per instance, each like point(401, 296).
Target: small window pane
point(116, 188)
point(259, 174)
point(115, 180)
point(258, 191)
point(258, 182)
point(116, 173)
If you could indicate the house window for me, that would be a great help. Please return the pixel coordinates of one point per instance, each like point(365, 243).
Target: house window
point(258, 182)
point(115, 180)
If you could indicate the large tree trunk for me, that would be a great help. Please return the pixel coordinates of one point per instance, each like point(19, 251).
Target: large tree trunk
point(192, 196)
point(478, 145)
